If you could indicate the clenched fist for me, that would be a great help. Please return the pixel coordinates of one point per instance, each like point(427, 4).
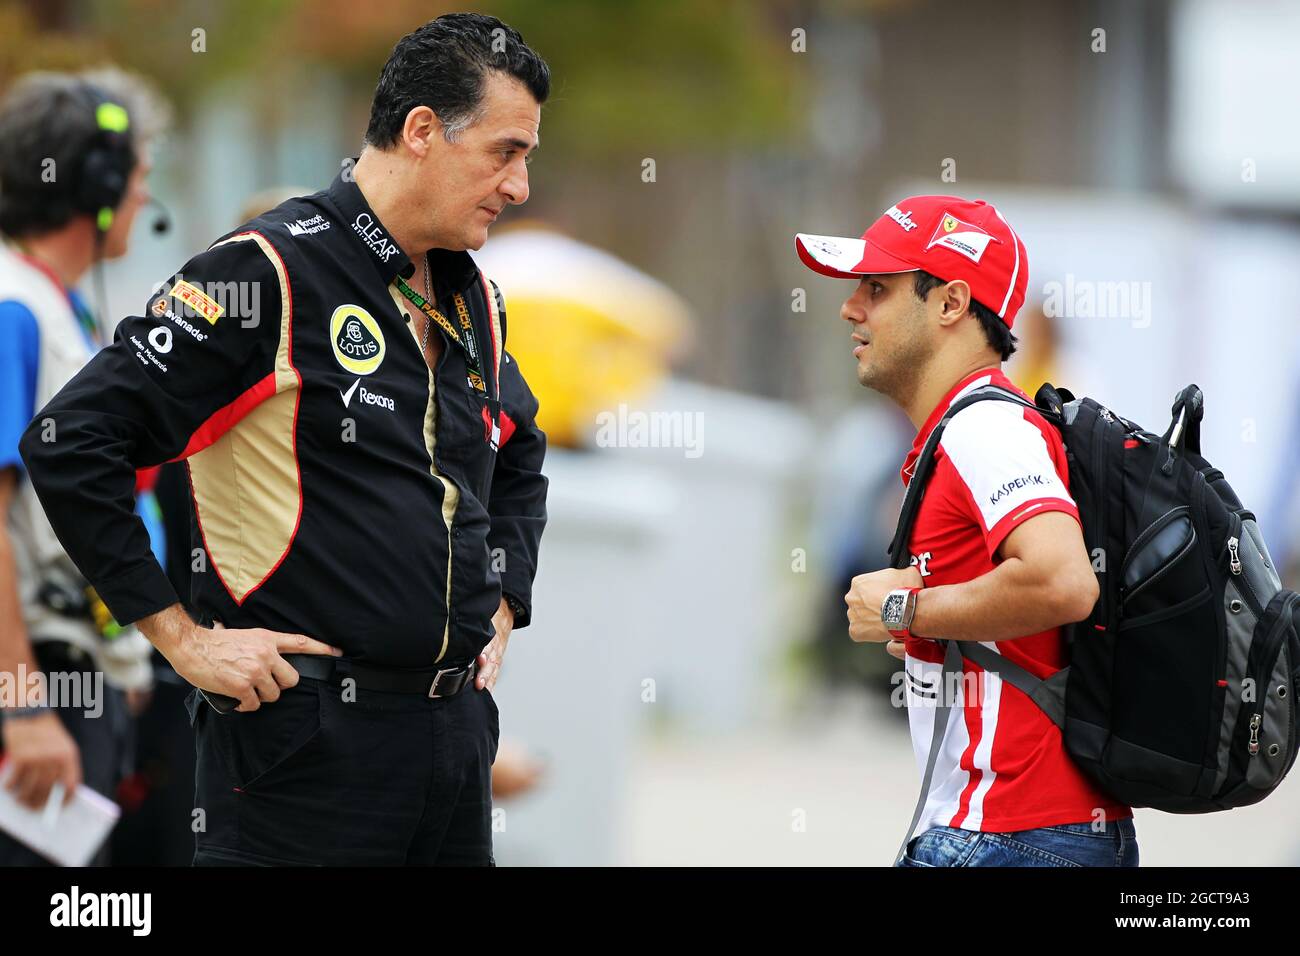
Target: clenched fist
point(866, 594)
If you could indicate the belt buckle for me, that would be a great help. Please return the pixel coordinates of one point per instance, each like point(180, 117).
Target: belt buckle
point(433, 688)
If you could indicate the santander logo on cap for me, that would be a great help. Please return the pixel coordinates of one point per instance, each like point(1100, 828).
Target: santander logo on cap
point(946, 236)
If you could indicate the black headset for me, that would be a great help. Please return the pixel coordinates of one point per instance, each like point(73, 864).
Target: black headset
point(105, 169)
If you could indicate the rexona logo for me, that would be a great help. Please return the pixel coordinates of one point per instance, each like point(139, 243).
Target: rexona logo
point(357, 340)
point(374, 236)
point(366, 397)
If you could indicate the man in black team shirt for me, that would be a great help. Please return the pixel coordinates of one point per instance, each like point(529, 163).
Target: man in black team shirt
point(366, 478)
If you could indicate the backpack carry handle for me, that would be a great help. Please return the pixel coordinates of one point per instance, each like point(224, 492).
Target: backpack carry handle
point(1186, 414)
point(1185, 424)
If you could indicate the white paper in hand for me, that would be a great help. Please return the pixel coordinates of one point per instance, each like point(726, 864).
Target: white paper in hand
point(67, 835)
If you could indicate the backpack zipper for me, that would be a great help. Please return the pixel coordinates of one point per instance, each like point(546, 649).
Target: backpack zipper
point(1267, 661)
point(1151, 530)
point(1178, 556)
point(1232, 550)
point(1147, 535)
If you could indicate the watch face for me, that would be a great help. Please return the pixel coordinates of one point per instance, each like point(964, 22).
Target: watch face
point(893, 610)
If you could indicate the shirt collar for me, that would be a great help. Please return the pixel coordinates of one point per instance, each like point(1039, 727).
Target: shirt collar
point(361, 223)
point(970, 382)
point(81, 310)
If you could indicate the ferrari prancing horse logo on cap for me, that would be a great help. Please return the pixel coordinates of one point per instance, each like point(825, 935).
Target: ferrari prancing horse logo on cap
point(961, 237)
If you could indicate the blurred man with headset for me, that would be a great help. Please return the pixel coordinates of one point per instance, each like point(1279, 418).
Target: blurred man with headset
point(73, 164)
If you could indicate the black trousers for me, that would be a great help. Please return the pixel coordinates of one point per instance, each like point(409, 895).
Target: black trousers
point(104, 742)
point(324, 778)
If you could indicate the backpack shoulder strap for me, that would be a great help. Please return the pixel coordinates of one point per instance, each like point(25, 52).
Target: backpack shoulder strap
point(943, 713)
point(898, 557)
point(1048, 695)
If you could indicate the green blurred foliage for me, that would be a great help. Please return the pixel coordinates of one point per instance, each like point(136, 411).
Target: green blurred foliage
point(679, 73)
point(673, 73)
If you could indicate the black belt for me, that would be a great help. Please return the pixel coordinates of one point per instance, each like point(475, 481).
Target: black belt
point(436, 683)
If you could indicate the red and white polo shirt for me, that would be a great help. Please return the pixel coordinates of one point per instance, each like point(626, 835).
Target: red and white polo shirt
point(1003, 765)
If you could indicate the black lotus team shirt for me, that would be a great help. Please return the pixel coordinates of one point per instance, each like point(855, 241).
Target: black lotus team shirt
point(341, 489)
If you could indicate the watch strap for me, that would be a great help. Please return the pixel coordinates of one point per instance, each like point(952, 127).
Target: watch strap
point(904, 630)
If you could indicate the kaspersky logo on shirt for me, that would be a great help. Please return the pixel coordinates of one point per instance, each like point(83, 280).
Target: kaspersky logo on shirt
point(357, 339)
point(1007, 487)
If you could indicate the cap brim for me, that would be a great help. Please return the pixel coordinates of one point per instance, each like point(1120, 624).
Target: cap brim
point(843, 258)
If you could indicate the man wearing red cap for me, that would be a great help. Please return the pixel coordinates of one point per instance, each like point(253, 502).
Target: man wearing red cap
point(997, 552)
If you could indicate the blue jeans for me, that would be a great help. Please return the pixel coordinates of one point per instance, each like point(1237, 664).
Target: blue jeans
point(1067, 844)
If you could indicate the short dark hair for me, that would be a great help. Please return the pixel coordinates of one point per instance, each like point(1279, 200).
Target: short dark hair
point(50, 117)
point(996, 332)
point(47, 122)
point(444, 65)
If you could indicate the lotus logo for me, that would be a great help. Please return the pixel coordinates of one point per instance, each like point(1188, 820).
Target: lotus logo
point(357, 339)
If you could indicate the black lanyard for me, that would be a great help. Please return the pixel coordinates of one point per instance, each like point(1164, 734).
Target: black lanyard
point(465, 338)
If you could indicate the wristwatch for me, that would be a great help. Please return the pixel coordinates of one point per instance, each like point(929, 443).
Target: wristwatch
point(897, 611)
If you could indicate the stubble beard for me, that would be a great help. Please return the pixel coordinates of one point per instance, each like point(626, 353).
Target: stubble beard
point(895, 372)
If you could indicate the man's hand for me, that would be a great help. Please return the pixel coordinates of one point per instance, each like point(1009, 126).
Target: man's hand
point(39, 752)
point(866, 594)
point(241, 663)
point(489, 661)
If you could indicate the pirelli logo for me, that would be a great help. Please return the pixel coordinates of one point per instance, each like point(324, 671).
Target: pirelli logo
point(198, 300)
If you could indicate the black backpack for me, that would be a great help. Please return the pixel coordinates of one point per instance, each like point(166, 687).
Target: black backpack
point(1179, 692)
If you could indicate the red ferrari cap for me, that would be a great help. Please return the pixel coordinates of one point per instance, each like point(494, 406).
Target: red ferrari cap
point(946, 236)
